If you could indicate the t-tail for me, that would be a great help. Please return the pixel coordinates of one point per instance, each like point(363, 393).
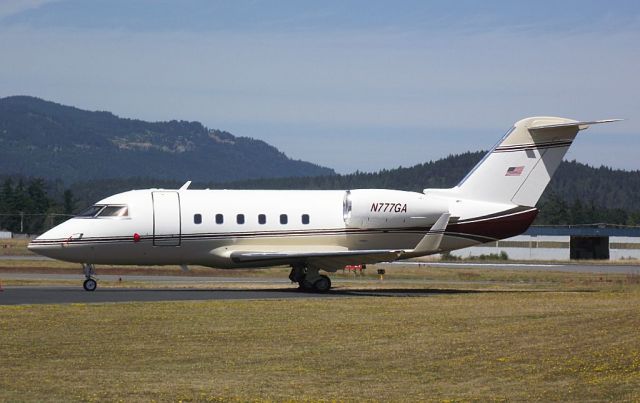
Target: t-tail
point(518, 169)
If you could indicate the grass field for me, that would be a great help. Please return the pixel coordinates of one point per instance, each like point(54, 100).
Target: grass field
point(15, 247)
point(574, 343)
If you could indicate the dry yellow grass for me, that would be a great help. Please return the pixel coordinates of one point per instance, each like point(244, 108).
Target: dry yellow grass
point(570, 346)
point(15, 247)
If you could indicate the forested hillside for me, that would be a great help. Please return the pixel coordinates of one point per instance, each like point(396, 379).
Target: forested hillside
point(442, 173)
point(30, 206)
point(52, 141)
point(577, 194)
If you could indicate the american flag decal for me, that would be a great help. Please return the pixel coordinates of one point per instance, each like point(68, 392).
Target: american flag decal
point(514, 171)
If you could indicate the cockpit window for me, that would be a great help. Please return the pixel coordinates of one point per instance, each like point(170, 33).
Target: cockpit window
point(105, 211)
point(91, 211)
point(114, 211)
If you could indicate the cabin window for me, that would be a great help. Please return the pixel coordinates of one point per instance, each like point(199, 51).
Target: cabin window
point(219, 219)
point(197, 218)
point(240, 218)
point(262, 219)
point(283, 219)
point(305, 218)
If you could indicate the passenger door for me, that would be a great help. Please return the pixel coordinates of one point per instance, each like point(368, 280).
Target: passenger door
point(166, 218)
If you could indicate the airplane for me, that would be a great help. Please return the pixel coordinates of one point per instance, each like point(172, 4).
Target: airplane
point(318, 230)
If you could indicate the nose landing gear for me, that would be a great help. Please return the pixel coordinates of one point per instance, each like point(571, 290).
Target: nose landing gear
point(90, 284)
point(309, 279)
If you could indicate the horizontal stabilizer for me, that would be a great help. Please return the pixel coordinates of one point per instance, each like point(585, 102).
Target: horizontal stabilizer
point(580, 125)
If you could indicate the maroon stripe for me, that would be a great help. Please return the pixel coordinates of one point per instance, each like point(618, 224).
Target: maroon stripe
point(498, 227)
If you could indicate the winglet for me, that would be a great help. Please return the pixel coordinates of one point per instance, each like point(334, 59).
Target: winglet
point(185, 186)
point(431, 242)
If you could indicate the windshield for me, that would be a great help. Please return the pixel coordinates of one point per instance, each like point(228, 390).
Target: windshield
point(114, 211)
point(105, 211)
point(90, 211)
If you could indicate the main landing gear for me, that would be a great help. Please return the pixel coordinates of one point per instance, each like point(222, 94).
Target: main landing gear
point(309, 279)
point(90, 283)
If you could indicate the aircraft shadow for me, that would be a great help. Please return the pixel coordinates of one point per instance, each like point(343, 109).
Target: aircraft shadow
point(408, 292)
point(295, 293)
point(351, 291)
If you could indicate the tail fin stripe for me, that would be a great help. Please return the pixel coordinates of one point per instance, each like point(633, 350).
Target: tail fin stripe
point(532, 146)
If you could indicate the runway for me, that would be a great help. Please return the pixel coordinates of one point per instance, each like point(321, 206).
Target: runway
point(256, 288)
point(71, 294)
point(22, 295)
point(151, 278)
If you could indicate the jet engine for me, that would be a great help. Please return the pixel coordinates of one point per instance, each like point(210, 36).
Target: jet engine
point(374, 208)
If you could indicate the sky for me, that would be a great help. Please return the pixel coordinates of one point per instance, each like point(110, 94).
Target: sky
point(352, 85)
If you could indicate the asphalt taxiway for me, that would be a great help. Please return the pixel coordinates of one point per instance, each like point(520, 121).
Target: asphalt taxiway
point(71, 294)
point(257, 288)
point(22, 295)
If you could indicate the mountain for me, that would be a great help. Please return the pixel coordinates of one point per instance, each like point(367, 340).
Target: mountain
point(97, 154)
point(48, 140)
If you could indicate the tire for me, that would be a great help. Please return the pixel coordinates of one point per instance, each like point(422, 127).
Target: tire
point(323, 284)
point(304, 285)
point(90, 284)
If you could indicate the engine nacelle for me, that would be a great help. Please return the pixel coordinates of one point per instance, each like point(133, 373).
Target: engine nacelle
point(374, 208)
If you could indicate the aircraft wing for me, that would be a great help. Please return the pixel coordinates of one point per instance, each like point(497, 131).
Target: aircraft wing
point(331, 260)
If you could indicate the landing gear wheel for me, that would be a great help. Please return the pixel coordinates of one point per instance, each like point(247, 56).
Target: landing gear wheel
point(308, 279)
point(304, 285)
point(297, 274)
point(90, 284)
point(322, 284)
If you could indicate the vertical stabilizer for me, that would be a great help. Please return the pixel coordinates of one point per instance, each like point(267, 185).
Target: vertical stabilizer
point(520, 166)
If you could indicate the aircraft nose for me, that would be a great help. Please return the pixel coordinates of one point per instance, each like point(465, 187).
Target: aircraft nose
point(32, 247)
point(45, 246)
point(54, 245)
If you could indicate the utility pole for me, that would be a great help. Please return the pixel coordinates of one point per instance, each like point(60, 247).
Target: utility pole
point(22, 222)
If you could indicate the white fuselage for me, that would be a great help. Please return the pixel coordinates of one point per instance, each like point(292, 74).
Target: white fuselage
point(319, 230)
point(204, 226)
